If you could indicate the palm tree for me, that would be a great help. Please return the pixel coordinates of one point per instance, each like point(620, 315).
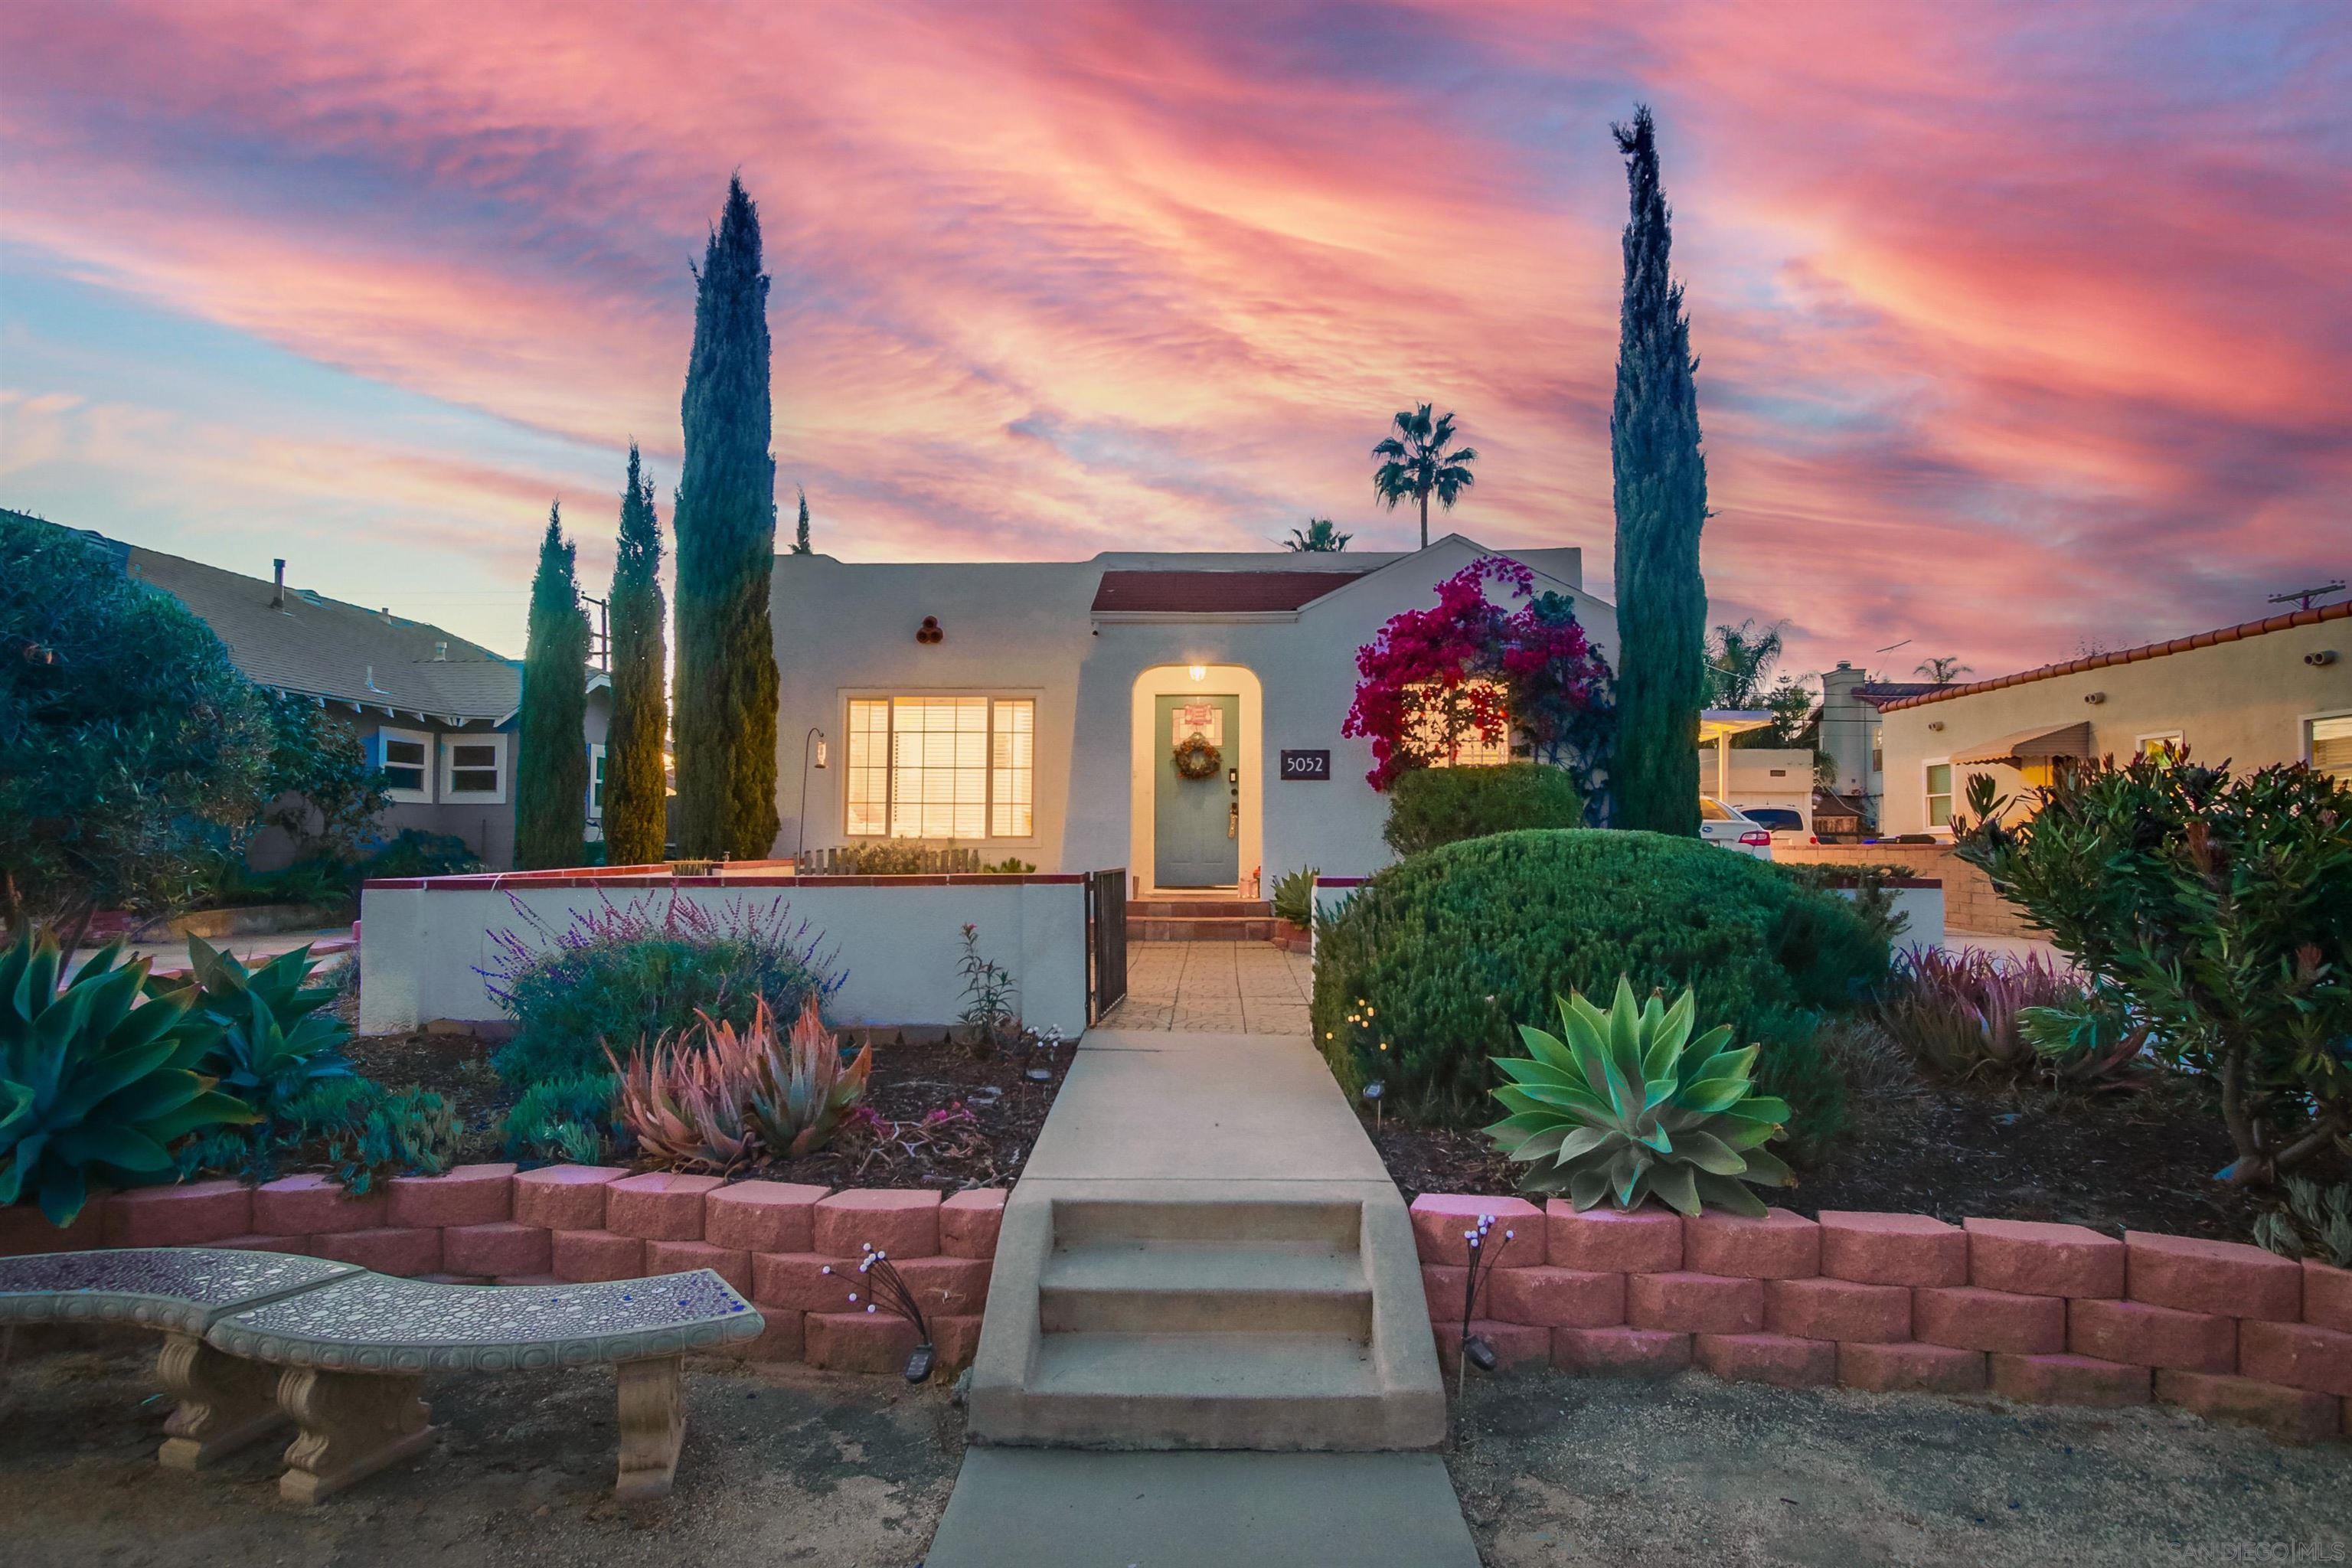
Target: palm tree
point(1320, 538)
point(1740, 662)
point(1943, 671)
point(1416, 462)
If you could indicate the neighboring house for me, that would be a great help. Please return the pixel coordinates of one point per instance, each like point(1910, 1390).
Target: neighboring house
point(2274, 690)
point(436, 712)
point(1034, 710)
point(1778, 777)
point(1850, 735)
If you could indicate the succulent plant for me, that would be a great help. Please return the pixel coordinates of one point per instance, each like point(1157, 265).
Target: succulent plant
point(1624, 1103)
point(803, 1090)
point(710, 1097)
point(96, 1080)
point(2310, 1221)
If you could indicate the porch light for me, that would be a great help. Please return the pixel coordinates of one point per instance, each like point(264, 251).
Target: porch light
point(1198, 673)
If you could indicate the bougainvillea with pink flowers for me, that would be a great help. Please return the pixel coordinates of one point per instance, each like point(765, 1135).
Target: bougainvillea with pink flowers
point(1468, 669)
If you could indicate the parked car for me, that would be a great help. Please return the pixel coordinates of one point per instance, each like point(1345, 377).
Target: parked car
point(1732, 828)
point(1786, 824)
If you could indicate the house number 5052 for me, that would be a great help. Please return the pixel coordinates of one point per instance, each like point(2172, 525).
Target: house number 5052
point(1315, 765)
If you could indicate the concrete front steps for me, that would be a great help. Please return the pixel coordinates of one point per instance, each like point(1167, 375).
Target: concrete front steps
point(1245, 1321)
point(1172, 917)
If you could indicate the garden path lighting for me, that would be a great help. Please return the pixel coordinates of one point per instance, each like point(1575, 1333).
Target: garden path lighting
point(1475, 1347)
point(887, 1290)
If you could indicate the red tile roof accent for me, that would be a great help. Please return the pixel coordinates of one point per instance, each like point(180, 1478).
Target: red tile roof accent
point(1214, 593)
point(2239, 633)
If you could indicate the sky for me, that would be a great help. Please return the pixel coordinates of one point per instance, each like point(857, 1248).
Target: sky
point(2023, 329)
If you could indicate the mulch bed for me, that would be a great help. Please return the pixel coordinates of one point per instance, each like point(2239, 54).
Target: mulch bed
point(944, 1117)
point(2142, 1162)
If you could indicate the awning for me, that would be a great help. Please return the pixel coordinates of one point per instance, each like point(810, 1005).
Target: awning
point(1720, 724)
point(2033, 745)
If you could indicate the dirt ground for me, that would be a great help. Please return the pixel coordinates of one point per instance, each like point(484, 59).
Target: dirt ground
point(2141, 1162)
point(782, 1465)
point(1556, 1471)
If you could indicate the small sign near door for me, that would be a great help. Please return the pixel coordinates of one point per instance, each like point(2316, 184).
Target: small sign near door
point(1206, 720)
point(1312, 765)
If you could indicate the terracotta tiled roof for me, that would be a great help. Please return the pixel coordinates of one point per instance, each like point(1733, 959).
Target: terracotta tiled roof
point(1879, 693)
point(2239, 633)
point(1214, 593)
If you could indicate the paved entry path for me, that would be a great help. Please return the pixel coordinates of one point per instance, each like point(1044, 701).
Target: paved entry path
point(1214, 987)
point(1200, 1113)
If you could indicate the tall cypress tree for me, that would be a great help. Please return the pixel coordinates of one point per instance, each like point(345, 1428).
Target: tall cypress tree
point(800, 536)
point(726, 525)
point(1661, 497)
point(636, 827)
point(551, 772)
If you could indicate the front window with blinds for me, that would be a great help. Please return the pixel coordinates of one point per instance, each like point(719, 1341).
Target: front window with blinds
point(942, 767)
point(2328, 743)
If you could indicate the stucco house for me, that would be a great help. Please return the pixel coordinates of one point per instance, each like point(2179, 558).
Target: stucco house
point(2272, 690)
point(436, 712)
point(1034, 710)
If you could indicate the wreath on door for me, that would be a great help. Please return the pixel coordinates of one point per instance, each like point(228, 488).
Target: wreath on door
point(1196, 758)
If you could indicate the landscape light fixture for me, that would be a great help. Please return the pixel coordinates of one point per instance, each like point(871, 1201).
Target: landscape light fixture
point(812, 744)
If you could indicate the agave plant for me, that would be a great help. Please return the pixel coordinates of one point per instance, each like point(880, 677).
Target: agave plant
point(803, 1091)
point(96, 1082)
point(1624, 1103)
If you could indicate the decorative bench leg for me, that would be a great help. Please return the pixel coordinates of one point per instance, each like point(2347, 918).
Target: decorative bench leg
point(225, 1403)
point(653, 1426)
point(353, 1424)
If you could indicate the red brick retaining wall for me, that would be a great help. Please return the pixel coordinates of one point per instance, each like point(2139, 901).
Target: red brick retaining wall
point(2053, 1314)
point(493, 1224)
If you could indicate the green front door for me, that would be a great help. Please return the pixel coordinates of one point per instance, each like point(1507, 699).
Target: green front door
point(1196, 830)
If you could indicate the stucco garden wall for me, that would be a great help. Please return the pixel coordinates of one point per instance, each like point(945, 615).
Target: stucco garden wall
point(2043, 1313)
point(424, 940)
point(483, 1225)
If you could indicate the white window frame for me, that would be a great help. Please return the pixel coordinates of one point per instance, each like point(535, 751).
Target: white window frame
point(384, 734)
point(450, 793)
point(890, 698)
point(595, 781)
point(2306, 723)
point(1952, 794)
point(2139, 742)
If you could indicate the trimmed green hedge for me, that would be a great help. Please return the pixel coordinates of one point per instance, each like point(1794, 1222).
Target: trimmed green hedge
point(1430, 807)
point(1451, 950)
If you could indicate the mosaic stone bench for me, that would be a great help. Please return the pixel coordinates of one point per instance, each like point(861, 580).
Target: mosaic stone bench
point(353, 1354)
point(225, 1403)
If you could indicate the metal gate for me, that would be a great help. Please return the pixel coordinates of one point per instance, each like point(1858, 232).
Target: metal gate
point(1105, 941)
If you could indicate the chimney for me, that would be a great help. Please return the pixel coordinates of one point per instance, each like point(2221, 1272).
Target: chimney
point(440, 653)
point(278, 594)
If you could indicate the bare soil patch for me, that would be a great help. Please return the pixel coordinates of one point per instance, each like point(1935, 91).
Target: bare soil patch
point(782, 1465)
point(1555, 1470)
point(2142, 1162)
point(944, 1116)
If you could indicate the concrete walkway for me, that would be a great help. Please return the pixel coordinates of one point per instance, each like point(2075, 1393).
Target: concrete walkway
point(1221, 1144)
point(1214, 987)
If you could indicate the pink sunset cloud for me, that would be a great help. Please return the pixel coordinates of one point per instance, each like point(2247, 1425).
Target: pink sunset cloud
point(2018, 328)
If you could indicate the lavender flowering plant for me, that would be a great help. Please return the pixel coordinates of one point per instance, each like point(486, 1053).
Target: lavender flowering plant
point(619, 975)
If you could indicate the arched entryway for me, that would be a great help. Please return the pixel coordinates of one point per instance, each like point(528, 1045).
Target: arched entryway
point(1189, 833)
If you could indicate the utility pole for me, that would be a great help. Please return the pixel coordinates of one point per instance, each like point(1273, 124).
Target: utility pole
point(2303, 597)
point(600, 641)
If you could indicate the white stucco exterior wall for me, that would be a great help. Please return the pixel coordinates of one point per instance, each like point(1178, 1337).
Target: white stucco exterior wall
point(848, 630)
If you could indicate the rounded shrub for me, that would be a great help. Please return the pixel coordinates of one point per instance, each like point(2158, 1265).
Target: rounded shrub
point(1430, 807)
point(1422, 978)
